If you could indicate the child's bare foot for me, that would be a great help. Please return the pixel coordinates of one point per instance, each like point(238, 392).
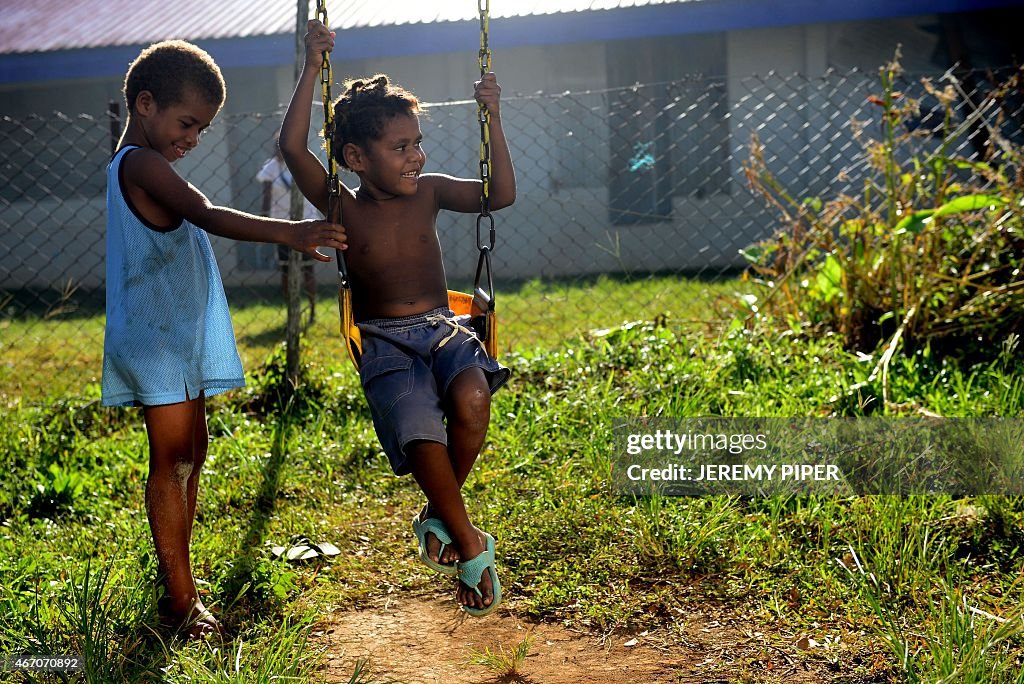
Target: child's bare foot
point(190, 616)
point(449, 554)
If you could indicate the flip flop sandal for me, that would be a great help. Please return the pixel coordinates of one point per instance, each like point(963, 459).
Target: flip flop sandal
point(303, 549)
point(435, 527)
point(471, 572)
point(191, 628)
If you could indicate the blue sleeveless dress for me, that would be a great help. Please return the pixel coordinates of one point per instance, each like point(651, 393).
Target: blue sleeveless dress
point(168, 331)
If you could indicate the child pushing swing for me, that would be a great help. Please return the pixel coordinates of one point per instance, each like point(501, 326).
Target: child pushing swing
point(168, 342)
point(426, 376)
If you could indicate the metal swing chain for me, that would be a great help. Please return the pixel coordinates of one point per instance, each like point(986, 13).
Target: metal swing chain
point(484, 117)
point(333, 183)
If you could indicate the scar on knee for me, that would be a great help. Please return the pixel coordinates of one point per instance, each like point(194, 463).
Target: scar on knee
point(182, 471)
point(480, 401)
point(474, 409)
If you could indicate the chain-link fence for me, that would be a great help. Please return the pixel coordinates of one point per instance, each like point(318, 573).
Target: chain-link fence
point(632, 183)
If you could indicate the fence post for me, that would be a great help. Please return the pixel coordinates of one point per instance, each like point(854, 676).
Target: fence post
point(293, 326)
point(114, 113)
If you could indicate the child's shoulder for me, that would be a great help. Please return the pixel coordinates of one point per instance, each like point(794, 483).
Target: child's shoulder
point(436, 178)
point(141, 157)
point(137, 151)
point(435, 183)
point(145, 163)
point(450, 192)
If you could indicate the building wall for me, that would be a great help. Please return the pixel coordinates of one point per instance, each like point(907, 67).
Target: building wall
point(559, 226)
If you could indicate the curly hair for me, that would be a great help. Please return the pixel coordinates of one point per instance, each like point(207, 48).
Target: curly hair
point(167, 68)
point(364, 108)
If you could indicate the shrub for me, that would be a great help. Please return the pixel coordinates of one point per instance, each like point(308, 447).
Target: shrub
point(928, 253)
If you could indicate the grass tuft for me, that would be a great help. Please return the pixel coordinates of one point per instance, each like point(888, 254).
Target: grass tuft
point(503, 662)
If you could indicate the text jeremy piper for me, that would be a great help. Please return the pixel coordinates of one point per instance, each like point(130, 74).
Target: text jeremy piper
point(761, 472)
point(674, 443)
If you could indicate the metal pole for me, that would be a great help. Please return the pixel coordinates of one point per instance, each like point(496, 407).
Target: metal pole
point(294, 323)
point(114, 114)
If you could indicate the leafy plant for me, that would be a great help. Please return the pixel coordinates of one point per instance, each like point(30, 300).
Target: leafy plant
point(56, 491)
point(929, 253)
point(271, 580)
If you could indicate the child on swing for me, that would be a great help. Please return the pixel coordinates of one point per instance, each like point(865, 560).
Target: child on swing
point(426, 377)
point(168, 342)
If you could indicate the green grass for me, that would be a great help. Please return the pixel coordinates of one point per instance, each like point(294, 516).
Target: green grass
point(890, 588)
point(46, 355)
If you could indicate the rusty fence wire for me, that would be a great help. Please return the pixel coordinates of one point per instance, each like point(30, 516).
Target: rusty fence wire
point(623, 184)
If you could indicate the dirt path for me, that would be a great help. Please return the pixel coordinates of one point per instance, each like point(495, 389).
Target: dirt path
point(424, 640)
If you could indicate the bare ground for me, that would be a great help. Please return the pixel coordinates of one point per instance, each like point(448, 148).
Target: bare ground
point(426, 640)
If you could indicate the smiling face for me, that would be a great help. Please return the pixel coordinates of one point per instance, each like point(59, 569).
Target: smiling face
point(390, 166)
point(173, 130)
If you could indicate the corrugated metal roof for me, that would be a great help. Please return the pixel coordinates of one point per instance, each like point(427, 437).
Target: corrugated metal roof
point(33, 26)
point(361, 13)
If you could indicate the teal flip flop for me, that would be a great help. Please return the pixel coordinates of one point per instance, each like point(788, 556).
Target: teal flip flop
point(472, 571)
point(435, 527)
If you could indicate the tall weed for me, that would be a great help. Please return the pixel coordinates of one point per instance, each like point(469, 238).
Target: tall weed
point(928, 252)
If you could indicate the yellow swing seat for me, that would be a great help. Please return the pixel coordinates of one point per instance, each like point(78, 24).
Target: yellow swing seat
point(479, 306)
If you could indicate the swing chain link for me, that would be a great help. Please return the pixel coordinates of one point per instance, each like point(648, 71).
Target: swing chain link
point(333, 182)
point(484, 118)
point(326, 76)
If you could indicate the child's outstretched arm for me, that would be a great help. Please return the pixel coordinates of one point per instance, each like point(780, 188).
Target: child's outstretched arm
point(149, 171)
point(460, 194)
point(306, 168)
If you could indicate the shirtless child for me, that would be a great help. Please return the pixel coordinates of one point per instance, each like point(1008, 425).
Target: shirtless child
point(426, 377)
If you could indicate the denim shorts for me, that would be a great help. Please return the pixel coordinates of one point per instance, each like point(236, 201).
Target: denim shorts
point(406, 367)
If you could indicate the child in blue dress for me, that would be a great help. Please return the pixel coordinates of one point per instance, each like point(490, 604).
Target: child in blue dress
point(168, 342)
